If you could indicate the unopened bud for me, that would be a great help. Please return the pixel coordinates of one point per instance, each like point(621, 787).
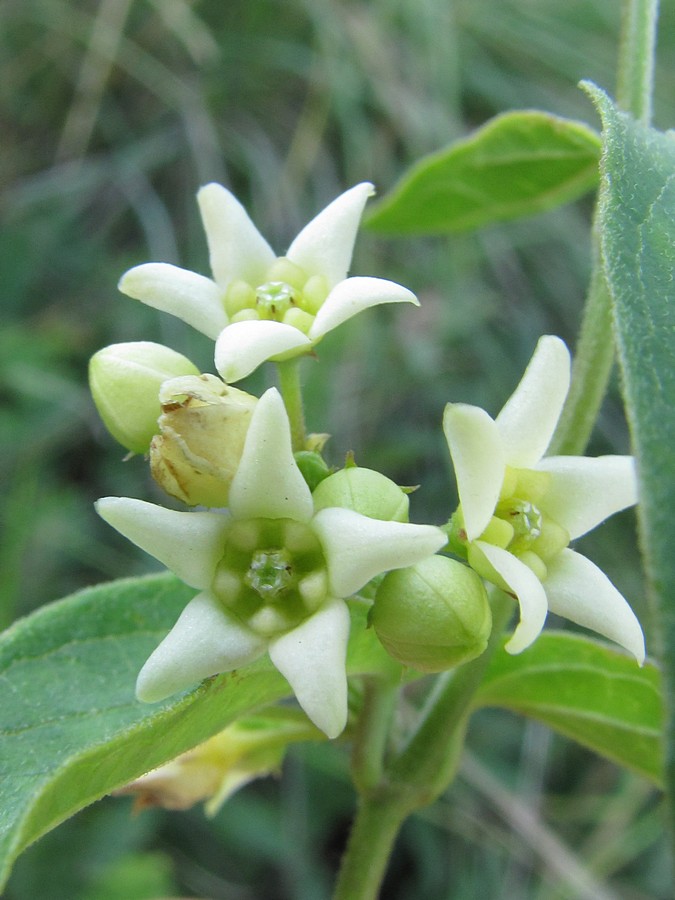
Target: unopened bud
point(202, 428)
point(433, 615)
point(364, 491)
point(125, 380)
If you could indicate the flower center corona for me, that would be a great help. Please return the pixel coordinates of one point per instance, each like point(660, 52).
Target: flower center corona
point(289, 295)
point(518, 525)
point(272, 574)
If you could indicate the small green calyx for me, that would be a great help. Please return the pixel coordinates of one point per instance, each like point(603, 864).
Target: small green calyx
point(272, 574)
point(289, 295)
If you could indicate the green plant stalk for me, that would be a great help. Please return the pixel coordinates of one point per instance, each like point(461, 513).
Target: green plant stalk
point(592, 365)
point(635, 78)
point(594, 353)
point(372, 732)
point(378, 820)
point(291, 391)
point(419, 773)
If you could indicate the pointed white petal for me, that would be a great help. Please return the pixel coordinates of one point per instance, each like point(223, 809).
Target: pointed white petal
point(325, 245)
point(236, 247)
point(578, 590)
point(357, 548)
point(478, 457)
point(188, 543)
point(268, 483)
point(191, 297)
point(243, 346)
point(529, 417)
point(204, 641)
point(353, 295)
point(586, 491)
point(527, 588)
point(312, 659)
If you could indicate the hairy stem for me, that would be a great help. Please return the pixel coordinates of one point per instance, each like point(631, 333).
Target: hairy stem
point(595, 347)
point(635, 80)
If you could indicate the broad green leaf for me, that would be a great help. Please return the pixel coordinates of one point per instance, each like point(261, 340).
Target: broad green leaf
point(71, 729)
point(637, 218)
point(587, 691)
point(518, 164)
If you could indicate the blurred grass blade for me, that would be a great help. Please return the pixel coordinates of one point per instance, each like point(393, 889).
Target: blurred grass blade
point(637, 217)
point(518, 164)
point(70, 726)
point(587, 691)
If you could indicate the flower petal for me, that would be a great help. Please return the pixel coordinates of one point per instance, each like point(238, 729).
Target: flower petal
point(584, 491)
point(353, 295)
point(527, 588)
point(325, 245)
point(578, 590)
point(268, 483)
point(476, 449)
point(357, 548)
point(204, 641)
point(243, 346)
point(191, 297)
point(311, 658)
point(236, 247)
point(529, 417)
point(188, 543)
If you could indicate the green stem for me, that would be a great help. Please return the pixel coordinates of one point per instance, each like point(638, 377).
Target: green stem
point(291, 391)
point(372, 732)
point(421, 771)
point(592, 365)
point(376, 826)
point(635, 78)
point(595, 347)
point(425, 763)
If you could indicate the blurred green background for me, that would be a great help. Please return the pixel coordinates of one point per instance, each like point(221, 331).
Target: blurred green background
point(113, 113)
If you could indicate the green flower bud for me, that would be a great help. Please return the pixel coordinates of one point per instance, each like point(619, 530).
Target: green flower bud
point(433, 615)
point(125, 380)
point(313, 467)
point(202, 431)
point(365, 491)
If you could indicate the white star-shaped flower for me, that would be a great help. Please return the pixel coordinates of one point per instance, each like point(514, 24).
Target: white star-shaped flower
point(259, 306)
point(519, 510)
point(272, 574)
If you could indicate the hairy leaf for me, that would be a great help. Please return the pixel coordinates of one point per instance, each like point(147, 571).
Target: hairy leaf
point(637, 218)
point(70, 727)
point(518, 164)
point(587, 691)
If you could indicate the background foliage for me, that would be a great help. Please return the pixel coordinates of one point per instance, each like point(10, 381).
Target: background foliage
point(113, 114)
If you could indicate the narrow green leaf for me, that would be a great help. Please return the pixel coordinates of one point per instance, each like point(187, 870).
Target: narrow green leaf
point(518, 164)
point(637, 218)
point(70, 727)
point(587, 691)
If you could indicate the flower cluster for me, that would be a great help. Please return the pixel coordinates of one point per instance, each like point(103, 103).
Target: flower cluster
point(275, 553)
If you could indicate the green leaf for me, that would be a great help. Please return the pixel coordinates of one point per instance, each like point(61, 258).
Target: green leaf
point(587, 691)
point(518, 164)
point(637, 218)
point(70, 727)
